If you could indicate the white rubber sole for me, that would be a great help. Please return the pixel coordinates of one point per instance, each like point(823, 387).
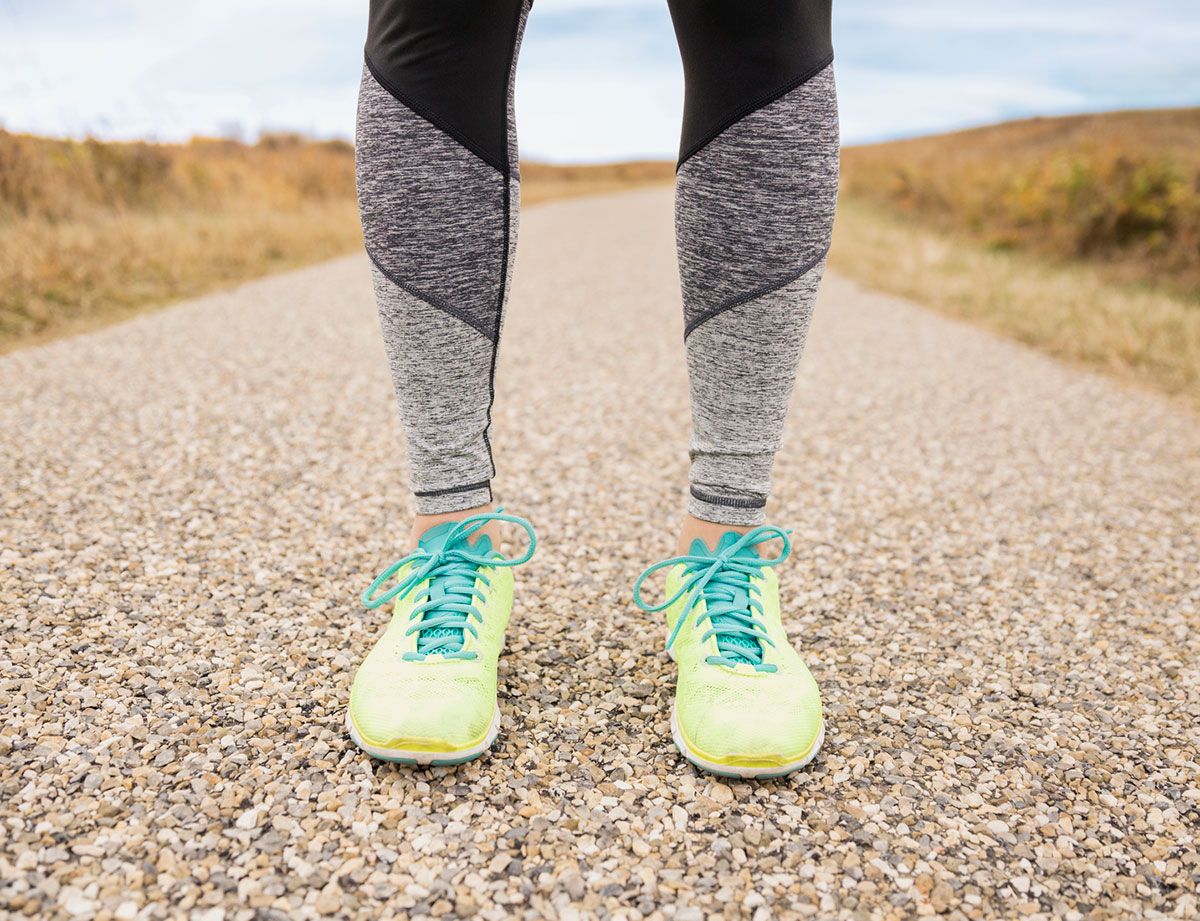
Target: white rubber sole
point(744, 773)
point(427, 759)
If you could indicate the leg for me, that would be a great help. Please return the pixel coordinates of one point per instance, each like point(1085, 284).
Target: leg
point(438, 188)
point(754, 206)
point(755, 195)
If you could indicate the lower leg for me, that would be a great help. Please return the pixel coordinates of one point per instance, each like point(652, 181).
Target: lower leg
point(423, 523)
point(754, 208)
point(438, 188)
point(710, 532)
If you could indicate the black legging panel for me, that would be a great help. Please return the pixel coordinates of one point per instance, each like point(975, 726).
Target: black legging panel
point(740, 54)
point(449, 61)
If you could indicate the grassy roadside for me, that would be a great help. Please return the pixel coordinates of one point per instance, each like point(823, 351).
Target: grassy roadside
point(1079, 235)
point(1072, 311)
point(1119, 191)
point(93, 233)
point(66, 278)
point(970, 224)
point(545, 182)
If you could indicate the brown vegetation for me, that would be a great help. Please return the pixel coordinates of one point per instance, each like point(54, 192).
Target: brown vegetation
point(1034, 229)
point(1120, 190)
point(58, 180)
point(544, 181)
point(91, 232)
point(1070, 310)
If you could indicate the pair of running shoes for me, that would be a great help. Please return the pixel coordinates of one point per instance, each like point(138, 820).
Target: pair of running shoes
point(745, 703)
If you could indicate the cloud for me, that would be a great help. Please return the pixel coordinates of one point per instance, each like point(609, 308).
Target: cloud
point(937, 65)
point(134, 68)
point(879, 104)
point(598, 79)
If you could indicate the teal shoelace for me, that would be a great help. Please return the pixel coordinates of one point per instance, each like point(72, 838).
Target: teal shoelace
point(723, 579)
point(449, 566)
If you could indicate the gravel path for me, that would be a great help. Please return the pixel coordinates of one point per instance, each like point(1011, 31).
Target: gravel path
point(995, 582)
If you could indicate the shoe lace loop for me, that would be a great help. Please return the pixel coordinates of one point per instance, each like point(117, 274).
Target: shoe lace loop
point(733, 609)
point(450, 573)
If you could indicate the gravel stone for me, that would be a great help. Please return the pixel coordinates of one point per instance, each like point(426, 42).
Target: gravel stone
point(994, 581)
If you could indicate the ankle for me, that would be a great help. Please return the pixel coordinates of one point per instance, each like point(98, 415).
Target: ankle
point(708, 531)
point(422, 523)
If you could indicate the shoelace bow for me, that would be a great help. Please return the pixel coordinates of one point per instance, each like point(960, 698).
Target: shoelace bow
point(720, 580)
point(448, 606)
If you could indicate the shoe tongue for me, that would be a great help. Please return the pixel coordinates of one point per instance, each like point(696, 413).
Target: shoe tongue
point(729, 643)
point(435, 540)
point(727, 540)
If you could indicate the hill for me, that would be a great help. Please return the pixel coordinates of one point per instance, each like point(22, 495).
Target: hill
point(92, 232)
point(1079, 236)
point(1120, 190)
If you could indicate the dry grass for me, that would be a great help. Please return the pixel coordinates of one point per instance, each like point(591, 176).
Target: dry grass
point(543, 181)
point(1079, 236)
point(1119, 190)
point(1034, 229)
point(63, 278)
point(1071, 311)
point(91, 233)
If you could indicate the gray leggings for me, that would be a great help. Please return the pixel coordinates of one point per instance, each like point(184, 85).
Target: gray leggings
point(438, 186)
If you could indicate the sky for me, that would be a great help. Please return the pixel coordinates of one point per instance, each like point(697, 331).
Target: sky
point(597, 79)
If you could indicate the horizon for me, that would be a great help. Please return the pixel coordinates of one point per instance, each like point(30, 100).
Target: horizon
point(542, 161)
point(597, 81)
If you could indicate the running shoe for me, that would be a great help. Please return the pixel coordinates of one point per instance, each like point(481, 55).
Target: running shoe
point(426, 693)
point(745, 703)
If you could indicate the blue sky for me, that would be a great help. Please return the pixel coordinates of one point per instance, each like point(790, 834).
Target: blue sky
point(598, 79)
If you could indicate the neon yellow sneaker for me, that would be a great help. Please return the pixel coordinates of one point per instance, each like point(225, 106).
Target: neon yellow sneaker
point(426, 693)
point(745, 703)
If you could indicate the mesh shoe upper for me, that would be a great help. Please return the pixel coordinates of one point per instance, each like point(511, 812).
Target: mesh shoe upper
point(429, 683)
point(744, 697)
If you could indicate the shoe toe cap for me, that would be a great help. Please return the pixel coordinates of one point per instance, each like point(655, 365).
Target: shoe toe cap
point(747, 731)
point(421, 715)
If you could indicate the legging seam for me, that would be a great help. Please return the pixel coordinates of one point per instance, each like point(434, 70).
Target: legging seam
point(762, 291)
point(450, 490)
point(727, 501)
point(522, 10)
point(748, 109)
point(467, 143)
point(432, 300)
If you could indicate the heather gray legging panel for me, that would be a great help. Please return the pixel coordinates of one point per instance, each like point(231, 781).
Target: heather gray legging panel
point(438, 189)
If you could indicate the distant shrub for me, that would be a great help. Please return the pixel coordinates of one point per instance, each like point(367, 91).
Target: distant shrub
point(1121, 189)
point(61, 180)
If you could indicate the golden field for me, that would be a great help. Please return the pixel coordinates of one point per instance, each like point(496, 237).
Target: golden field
point(93, 232)
point(1073, 311)
point(1119, 190)
point(1079, 236)
point(544, 181)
